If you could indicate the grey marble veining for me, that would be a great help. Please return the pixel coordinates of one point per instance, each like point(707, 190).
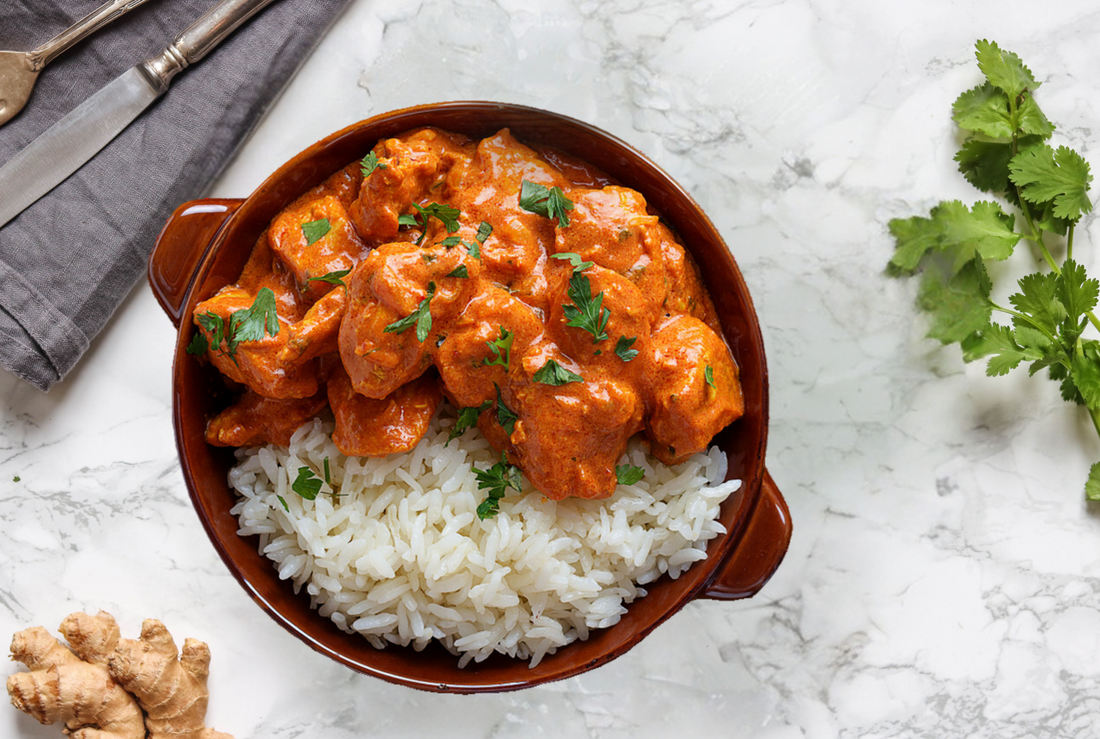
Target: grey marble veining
point(944, 575)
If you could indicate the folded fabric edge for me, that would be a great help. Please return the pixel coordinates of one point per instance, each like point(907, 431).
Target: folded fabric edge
point(58, 341)
point(20, 356)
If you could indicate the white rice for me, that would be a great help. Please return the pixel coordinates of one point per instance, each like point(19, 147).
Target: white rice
point(401, 557)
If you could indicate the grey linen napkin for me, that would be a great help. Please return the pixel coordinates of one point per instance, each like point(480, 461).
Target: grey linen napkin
point(68, 261)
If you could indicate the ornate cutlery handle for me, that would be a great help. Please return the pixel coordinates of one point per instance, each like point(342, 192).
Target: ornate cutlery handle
point(84, 27)
point(200, 38)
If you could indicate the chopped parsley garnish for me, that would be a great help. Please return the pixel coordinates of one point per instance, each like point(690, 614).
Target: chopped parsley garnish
point(450, 241)
point(246, 324)
point(622, 348)
point(250, 324)
point(421, 318)
point(501, 349)
point(708, 375)
point(579, 265)
point(549, 202)
point(336, 277)
point(198, 345)
point(497, 479)
point(314, 231)
point(505, 416)
point(459, 271)
point(16, 478)
point(467, 417)
point(554, 374)
point(445, 214)
point(370, 163)
point(628, 474)
point(587, 312)
point(307, 484)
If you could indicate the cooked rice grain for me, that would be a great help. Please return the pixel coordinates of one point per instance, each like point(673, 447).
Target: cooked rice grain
point(393, 549)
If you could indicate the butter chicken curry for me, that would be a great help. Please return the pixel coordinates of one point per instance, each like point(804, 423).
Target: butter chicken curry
point(550, 306)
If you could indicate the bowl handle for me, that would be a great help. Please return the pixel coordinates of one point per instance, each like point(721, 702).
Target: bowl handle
point(180, 249)
point(759, 551)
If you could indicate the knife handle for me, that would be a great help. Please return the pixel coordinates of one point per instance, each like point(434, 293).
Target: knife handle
point(199, 39)
point(80, 30)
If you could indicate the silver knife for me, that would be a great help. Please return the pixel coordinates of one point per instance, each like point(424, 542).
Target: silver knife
point(63, 148)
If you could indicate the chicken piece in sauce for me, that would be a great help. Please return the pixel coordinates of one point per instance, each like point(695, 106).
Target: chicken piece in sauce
point(254, 419)
point(569, 338)
point(367, 427)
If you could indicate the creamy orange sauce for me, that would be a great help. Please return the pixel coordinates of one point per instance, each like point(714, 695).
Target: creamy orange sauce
point(499, 314)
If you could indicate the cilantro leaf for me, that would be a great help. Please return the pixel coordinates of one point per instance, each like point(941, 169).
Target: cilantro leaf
point(421, 318)
point(1092, 486)
point(445, 214)
point(962, 234)
point(1085, 372)
point(1005, 353)
point(984, 110)
point(250, 324)
point(467, 417)
point(1060, 176)
point(307, 484)
point(198, 345)
point(958, 305)
point(541, 200)
point(622, 348)
point(501, 349)
point(1004, 69)
point(212, 323)
point(336, 277)
point(628, 474)
point(459, 271)
point(708, 375)
point(1038, 298)
point(484, 230)
point(505, 416)
point(579, 265)
point(554, 374)
point(587, 312)
point(1077, 293)
point(497, 480)
point(314, 231)
point(370, 163)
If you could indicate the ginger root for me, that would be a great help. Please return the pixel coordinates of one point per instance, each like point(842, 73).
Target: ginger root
point(105, 687)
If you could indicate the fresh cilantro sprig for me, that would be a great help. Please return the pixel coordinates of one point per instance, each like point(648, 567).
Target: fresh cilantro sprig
point(554, 374)
point(501, 349)
point(369, 163)
point(336, 277)
point(246, 324)
point(497, 479)
point(628, 474)
point(308, 485)
point(445, 214)
point(467, 417)
point(314, 231)
point(421, 318)
point(587, 311)
point(623, 350)
point(549, 202)
point(1007, 155)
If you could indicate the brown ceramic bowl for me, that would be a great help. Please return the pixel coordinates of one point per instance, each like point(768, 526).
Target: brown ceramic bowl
point(204, 247)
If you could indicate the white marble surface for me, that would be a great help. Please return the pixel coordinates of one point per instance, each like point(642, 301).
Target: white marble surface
point(944, 574)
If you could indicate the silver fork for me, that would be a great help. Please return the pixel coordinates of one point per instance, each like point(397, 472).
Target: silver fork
point(19, 69)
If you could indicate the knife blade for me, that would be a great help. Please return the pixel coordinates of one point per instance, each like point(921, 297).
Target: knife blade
point(64, 147)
